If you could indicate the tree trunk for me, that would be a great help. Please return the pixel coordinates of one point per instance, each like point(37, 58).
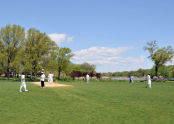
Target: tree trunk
point(17, 75)
point(8, 73)
point(156, 70)
point(59, 74)
point(35, 71)
point(31, 75)
point(8, 68)
point(34, 76)
point(14, 73)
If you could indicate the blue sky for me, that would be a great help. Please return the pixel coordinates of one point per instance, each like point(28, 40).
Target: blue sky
point(108, 33)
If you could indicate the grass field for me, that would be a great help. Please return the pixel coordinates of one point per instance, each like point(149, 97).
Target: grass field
point(104, 102)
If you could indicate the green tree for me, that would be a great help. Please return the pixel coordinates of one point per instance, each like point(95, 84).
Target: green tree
point(75, 67)
point(62, 57)
point(159, 55)
point(170, 69)
point(163, 71)
point(17, 63)
point(171, 73)
point(49, 61)
point(86, 67)
point(11, 38)
point(36, 47)
point(2, 58)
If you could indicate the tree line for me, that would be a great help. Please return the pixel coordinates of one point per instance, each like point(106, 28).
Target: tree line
point(159, 56)
point(165, 71)
point(32, 51)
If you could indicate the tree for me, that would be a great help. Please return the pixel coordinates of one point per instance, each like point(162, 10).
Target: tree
point(2, 58)
point(36, 47)
point(159, 55)
point(11, 38)
point(163, 71)
point(171, 74)
point(98, 75)
point(76, 74)
point(86, 67)
point(62, 57)
point(91, 74)
point(17, 63)
point(75, 67)
point(49, 61)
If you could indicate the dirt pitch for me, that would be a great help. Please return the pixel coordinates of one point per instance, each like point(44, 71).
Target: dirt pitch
point(52, 84)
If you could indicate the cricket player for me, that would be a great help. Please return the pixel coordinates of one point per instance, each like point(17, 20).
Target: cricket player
point(42, 78)
point(131, 79)
point(148, 81)
point(50, 77)
point(23, 84)
point(87, 78)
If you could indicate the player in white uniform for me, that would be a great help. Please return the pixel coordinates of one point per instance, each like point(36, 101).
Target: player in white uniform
point(23, 84)
point(42, 78)
point(50, 77)
point(148, 81)
point(87, 78)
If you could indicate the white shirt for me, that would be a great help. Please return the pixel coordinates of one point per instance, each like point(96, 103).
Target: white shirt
point(42, 78)
point(50, 76)
point(22, 78)
point(87, 76)
point(148, 77)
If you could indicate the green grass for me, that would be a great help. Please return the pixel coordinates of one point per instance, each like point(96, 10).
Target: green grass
point(99, 102)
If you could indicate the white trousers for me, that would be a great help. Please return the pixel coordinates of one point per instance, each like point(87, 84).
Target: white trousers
point(148, 84)
point(87, 80)
point(50, 80)
point(23, 85)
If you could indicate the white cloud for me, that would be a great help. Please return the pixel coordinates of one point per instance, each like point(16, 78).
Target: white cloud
point(111, 57)
point(70, 39)
point(59, 38)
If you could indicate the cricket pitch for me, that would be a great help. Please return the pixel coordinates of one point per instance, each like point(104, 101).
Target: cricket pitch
point(52, 84)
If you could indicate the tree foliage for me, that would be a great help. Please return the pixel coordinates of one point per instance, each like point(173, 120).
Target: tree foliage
point(36, 47)
point(62, 57)
point(86, 67)
point(11, 38)
point(159, 55)
point(31, 51)
point(2, 58)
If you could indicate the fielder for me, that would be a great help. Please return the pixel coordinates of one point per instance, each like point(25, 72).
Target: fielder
point(87, 78)
point(148, 81)
point(42, 78)
point(131, 79)
point(23, 84)
point(50, 77)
